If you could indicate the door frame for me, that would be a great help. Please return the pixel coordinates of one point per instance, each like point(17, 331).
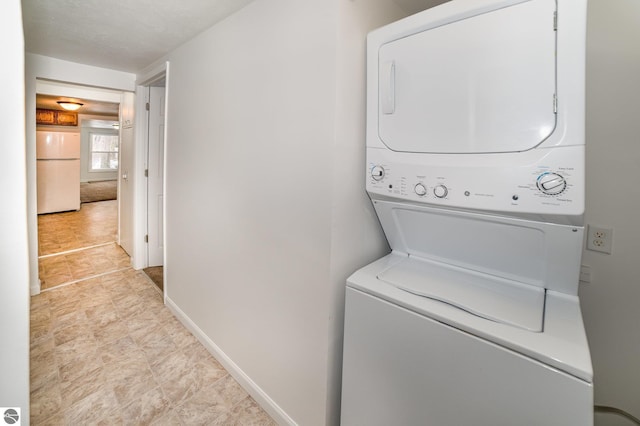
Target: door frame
point(156, 115)
point(70, 88)
point(161, 71)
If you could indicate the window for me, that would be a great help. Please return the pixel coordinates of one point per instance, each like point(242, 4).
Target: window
point(104, 152)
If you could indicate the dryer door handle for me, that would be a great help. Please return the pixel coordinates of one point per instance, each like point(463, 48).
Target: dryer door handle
point(387, 87)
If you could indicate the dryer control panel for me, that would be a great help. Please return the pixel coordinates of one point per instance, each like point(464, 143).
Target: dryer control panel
point(548, 183)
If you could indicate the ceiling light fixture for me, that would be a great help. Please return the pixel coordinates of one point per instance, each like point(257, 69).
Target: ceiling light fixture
point(71, 106)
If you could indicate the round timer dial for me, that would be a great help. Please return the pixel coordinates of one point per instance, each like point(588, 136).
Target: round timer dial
point(551, 183)
point(377, 173)
point(440, 191)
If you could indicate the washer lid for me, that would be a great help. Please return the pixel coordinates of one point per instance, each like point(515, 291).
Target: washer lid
point(482, 84)
point(493, 298)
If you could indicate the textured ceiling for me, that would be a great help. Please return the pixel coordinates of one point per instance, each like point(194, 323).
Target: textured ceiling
point(126, 35)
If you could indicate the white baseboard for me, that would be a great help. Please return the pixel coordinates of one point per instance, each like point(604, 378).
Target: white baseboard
point(277, 413)
point(35, 287)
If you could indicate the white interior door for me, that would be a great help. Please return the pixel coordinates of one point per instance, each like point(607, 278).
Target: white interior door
point(126, 168)
point(155, 195)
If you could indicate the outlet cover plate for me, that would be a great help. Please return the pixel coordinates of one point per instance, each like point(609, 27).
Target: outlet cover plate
point(599, 239)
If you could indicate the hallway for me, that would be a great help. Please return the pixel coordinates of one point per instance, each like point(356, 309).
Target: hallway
point(75, 245)
point(105, 349)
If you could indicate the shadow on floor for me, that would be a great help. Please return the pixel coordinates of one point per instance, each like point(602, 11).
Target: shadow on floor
point(155, 273)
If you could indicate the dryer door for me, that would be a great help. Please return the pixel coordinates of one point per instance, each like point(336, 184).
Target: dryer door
point(483, 84)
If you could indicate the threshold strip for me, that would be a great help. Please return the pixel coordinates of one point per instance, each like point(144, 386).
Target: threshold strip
point(75, 250)
point(84, 279)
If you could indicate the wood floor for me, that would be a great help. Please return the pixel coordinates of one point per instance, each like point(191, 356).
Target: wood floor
point(105, 349)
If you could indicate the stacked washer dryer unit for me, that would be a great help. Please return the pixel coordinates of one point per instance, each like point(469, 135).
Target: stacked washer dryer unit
point(476, 169)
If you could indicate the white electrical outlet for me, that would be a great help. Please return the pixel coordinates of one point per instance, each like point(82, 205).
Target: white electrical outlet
point(599, 239)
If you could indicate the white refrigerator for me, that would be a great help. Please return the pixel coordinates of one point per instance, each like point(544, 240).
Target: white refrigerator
point(58, 171)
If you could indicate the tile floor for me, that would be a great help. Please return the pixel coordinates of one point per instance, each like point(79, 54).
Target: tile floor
point(105, 350)
point(93, 224)
point(56, 269)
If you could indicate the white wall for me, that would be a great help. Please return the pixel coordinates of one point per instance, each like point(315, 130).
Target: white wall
point(42, 67)
point(250, 131)
point(14, 266)
point(266, 212)
point(610, 301)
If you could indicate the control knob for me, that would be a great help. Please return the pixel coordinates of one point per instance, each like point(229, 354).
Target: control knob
point(377, 173)
point(551, 183)
point(420, 190)
point(440, 191)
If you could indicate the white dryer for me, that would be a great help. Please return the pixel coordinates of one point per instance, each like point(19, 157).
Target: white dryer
point(475, 167)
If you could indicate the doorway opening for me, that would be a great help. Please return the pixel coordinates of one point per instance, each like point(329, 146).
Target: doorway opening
point(77, 157)
point(155, 97)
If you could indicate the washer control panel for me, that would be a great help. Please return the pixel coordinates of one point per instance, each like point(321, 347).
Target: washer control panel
point(548, 183)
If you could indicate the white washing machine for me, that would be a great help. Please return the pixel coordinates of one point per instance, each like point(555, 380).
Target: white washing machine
point(475, 167)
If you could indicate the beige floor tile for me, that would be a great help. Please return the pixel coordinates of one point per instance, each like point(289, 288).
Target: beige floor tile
point(181, 336)
point(69, 352)
point(93, 408)
point(40, 317)
point(113, 419)
point(157, 345)
point(172, 367)
point(101, 315)
point(105, 350)
point(202, 408)
point(43, 370)
point(81, 387)
point(148, 408)
point(231, 392)
point(206, 372)
point(41, 332)
point(128, 388)
point(180, 390)
point(67, 315)
point(120, 349)
point(110, 332)
point(83, 365)
point(45, 403)
point(71, 332)
point(50, 281)
point(197, 352)
point(41, 347)
point(39, 302)
point(56, 420)
point(169, 419)
point(142, 323)
point(95, 223)
point(246, 413)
